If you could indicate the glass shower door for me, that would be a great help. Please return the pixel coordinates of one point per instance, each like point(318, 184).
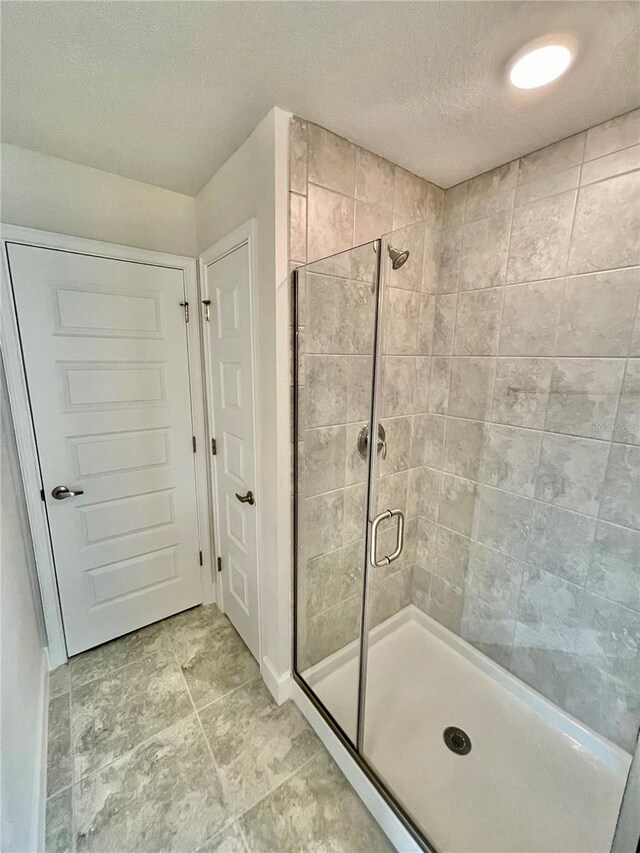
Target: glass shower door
point(334, 324)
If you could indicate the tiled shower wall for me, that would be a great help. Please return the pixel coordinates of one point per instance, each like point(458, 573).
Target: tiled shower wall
point(342, 196)
point(529, 536)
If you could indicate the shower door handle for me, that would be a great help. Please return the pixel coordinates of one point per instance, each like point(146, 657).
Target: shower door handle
point(373, 541)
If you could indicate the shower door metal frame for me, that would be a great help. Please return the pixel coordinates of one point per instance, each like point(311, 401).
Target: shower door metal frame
point(354, 750)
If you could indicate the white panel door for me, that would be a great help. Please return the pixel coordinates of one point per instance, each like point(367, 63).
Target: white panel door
point(228, 283)
point(105, 350)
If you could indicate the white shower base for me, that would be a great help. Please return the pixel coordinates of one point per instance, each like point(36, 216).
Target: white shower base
point(535, 780)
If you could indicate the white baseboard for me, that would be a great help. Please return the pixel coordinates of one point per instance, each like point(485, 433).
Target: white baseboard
point(279, 684)
point(40, 769)
point(373, 800)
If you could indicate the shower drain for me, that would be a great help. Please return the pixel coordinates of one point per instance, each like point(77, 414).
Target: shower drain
point(457, 740)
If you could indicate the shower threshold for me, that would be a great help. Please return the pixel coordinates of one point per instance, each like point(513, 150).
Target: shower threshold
point(535, 780)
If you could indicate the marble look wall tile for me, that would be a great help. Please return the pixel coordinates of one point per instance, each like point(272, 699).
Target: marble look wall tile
point(425, 325)
point(552, 159)
point(615, 563)
point(449, 266)
point(324, 459)
point(530, 318)
point(59, 823)
point(415, 484)
point(511, 459)
point(208, 649)
point(561, 542)
point(439, 385)
point(431, 484)
point(316, 809)
point(427, 440)
point(323, 519)
point(111, 715)
point(595, 245)
point(464, 448)
point(471, 387)
point(420, 588)
point(620, 502)
point(628, 419)
point(392, 494)
point(298, 228)
point(571, 472)
point(374, 179)
point(102, 660)
point(171, 780)
point(371, 220)
point(331, 630)
point(245, 724)
point(452, 556)
point(325, 391)
point(609, 638)
point(444, 323)
point(458, 503)
point(481, 206)
point(359, 382)
point(401, 322)
point(397, 385)
point(59, 761)
point(521, 391)
point(398, 437)
point(298, 156)
point(612, 164)
point(435, 206)
point(597, 314)
point(543, 663)
point(229, 840)
point(431, 260)
point(426, 544)
point(454, 204)
point(621, 132)
point(478, 322)
point(540, 238)
point(548, 603)
point(332, 160)
point(503, 521)
point(488, 630)
point(390, 596)
point(353, 522)
point(332, 577)
point(329, 223)
point(339, 316)
point(446, 604)
point(495, 579)
point(485, 244)
point(583, 397)
point(420, 396)
point(495, 181)
point(547, 186)
point(59, 682)
point(410, 199)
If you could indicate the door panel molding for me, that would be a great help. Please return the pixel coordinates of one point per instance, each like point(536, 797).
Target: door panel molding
point(20, 405)
point(225, 325)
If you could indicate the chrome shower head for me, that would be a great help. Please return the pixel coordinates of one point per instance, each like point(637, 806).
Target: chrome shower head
point(398, 257)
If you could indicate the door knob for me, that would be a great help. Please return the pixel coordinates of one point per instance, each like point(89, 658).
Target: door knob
point(246, 499)
point(62, 492)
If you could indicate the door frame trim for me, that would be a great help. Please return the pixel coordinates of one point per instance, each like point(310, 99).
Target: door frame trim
point(245, 234)
point(25, 433)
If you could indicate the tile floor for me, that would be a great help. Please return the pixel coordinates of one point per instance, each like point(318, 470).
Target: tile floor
point(168, 740)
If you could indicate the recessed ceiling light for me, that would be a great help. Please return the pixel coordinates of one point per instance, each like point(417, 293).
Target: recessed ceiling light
point(541, 62)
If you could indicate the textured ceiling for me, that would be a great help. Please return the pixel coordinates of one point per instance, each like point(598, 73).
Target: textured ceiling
point(164, 92)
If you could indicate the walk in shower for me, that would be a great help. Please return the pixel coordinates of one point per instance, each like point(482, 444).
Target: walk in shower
point(467, 589)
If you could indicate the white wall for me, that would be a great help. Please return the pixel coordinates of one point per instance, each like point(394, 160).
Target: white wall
point(23, 663)
point(253, 183)
point(39, 191)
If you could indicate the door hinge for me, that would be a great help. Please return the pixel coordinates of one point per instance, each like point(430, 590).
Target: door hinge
point(214, 447)
point(200, 552)
point(219, 564)
point(193, 443)
point(185, 305)
point(41, 494)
